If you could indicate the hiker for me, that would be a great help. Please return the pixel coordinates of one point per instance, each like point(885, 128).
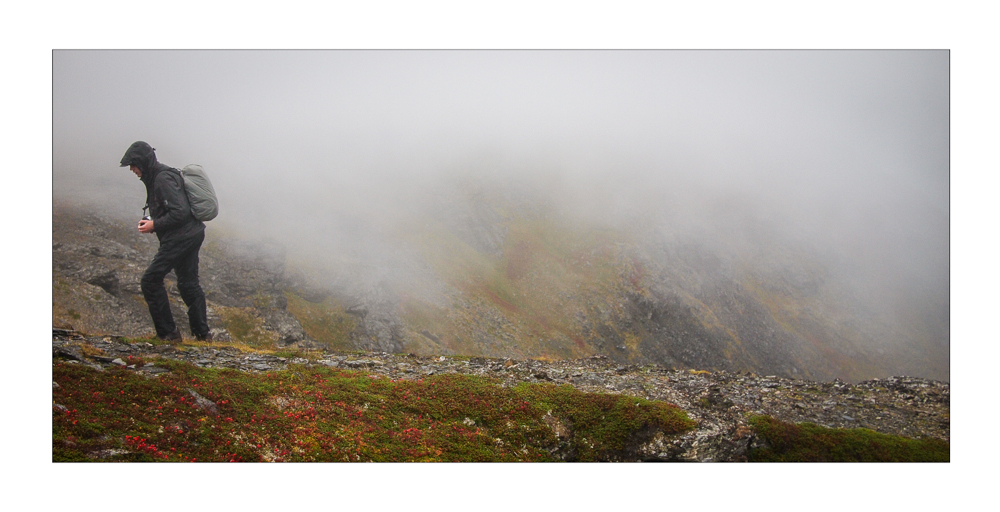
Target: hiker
point(180, 235)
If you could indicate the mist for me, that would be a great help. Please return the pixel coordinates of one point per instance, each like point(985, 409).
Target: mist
point(845, 153)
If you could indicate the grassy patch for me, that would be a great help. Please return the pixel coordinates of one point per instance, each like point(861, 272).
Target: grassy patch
point(320, 414)
point(245, 326)
point(325, 322)
point(191, 342)
point(89, 350)
point(806, 442)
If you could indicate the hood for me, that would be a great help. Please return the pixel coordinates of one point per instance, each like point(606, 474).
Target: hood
point(141, 155)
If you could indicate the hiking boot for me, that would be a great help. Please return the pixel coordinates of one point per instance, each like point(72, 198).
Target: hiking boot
point(173, 338)
point(204, 337)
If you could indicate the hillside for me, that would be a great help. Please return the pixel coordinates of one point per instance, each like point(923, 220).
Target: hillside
point(523, 308)
point(487, 275)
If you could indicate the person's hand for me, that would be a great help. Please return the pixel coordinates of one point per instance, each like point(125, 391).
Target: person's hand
point(145, 226)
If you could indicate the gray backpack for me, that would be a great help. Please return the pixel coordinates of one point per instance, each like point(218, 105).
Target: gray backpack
point(201, 195)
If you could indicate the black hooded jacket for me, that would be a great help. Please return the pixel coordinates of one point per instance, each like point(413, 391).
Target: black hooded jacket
point(165, 196)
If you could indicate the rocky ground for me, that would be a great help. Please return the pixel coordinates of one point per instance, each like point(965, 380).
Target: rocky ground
point(721, 402)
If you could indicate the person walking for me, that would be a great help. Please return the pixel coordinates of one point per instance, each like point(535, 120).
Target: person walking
point(180, 235)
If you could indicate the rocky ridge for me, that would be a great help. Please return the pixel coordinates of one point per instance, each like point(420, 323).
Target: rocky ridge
point(720, 402)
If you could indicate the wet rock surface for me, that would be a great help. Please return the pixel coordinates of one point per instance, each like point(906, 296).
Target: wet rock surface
point(720, 402)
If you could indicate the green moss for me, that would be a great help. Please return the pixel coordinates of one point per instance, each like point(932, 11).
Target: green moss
point(787, 442)
point(603, 424)
point(319, 414)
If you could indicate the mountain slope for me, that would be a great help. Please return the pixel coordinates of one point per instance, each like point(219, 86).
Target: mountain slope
point(495, 275)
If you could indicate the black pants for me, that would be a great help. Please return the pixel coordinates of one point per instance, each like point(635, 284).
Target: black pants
point(182, 257)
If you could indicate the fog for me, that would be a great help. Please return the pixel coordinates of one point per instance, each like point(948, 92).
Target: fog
point(844, 152)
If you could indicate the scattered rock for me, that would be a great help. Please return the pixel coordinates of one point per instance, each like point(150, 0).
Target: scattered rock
point(66, 334)
point(67, 352)
point(360, 363)
point(203, 403)
point(108, 453)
